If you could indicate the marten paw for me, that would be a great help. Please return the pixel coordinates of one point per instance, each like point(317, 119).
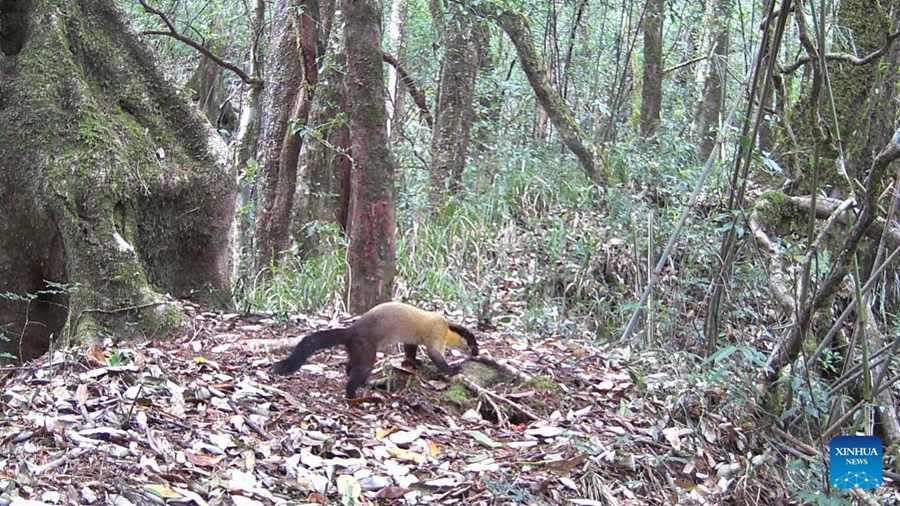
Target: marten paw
point(454, 370)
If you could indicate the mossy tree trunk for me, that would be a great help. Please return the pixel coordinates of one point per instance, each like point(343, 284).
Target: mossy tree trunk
point(455, 109)
point(111, 182)
point(371, 254)
point(865, 95)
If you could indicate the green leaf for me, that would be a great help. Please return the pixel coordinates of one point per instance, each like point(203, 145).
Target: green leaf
point(721, 354)
point(483, 439)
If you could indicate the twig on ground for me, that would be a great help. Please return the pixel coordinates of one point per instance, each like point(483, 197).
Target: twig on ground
point(483, 391)
point(250, 423)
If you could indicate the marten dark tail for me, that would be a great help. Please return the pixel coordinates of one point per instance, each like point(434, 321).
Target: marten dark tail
point(468, 336)
point(311, 344)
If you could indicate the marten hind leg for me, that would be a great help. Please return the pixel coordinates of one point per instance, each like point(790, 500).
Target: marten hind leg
point(362, 361)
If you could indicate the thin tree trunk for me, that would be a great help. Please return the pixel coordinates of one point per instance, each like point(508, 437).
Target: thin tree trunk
point(706, 120)
point(324, 185)
point(244, 146)
point(489, 100)
point(396, 97)
point(579, 8)
point(651, 86)
point(417, 96)
point(371, 254)
point(622, 86)
point(516, 27)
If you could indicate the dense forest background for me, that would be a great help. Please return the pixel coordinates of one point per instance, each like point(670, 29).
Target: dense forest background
point(706, 187)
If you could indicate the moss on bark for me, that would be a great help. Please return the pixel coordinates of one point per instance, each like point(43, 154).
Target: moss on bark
point(106, 158)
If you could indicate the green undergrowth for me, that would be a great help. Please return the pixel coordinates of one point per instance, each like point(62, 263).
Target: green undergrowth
point(300, 284)
point(531, 235)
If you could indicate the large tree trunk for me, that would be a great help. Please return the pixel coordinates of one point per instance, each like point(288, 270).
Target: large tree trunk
point(111, 182)
point(865, 95)
point(291, 79)
point(516, 27)
point(651, 85)
point(324, 186)
point(284, 72)
point(455, 104)
point(371, 253)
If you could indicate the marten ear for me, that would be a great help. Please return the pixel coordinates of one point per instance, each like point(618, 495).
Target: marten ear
point(468, 336)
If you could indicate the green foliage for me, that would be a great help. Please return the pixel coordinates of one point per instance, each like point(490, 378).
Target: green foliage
point(506, 488)
point(6, 355)
point(120, 357)
point(302, 284)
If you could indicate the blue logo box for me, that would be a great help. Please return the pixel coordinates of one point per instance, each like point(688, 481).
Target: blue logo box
point(856, 462)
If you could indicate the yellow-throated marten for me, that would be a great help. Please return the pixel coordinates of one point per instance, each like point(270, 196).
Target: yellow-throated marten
point(381, 326)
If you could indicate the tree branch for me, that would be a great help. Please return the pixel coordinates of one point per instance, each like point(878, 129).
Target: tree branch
point(787, 349)
point(846, 57)
point(685, 64)
point(414, 92)
point(175, 34)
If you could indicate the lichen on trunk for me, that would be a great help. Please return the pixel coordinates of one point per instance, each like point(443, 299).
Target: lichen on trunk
point(112, 184)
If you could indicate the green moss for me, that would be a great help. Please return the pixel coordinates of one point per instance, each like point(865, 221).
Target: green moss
point(777, 198)
point(773, 206)
point(773, 402)
point(543, 383)
point(457, 394)
point(173, 317)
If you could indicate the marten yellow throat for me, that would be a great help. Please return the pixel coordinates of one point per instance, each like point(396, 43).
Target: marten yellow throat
point(380, 327)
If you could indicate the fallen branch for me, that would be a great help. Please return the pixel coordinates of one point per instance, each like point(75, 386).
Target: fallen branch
point(487, 393)
point(71, 456)
point(788, 348)
point(502, 419)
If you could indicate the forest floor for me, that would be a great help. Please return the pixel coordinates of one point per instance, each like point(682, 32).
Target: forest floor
point(201, 420)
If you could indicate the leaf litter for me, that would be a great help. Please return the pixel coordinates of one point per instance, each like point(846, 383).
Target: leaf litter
point(201, 420)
